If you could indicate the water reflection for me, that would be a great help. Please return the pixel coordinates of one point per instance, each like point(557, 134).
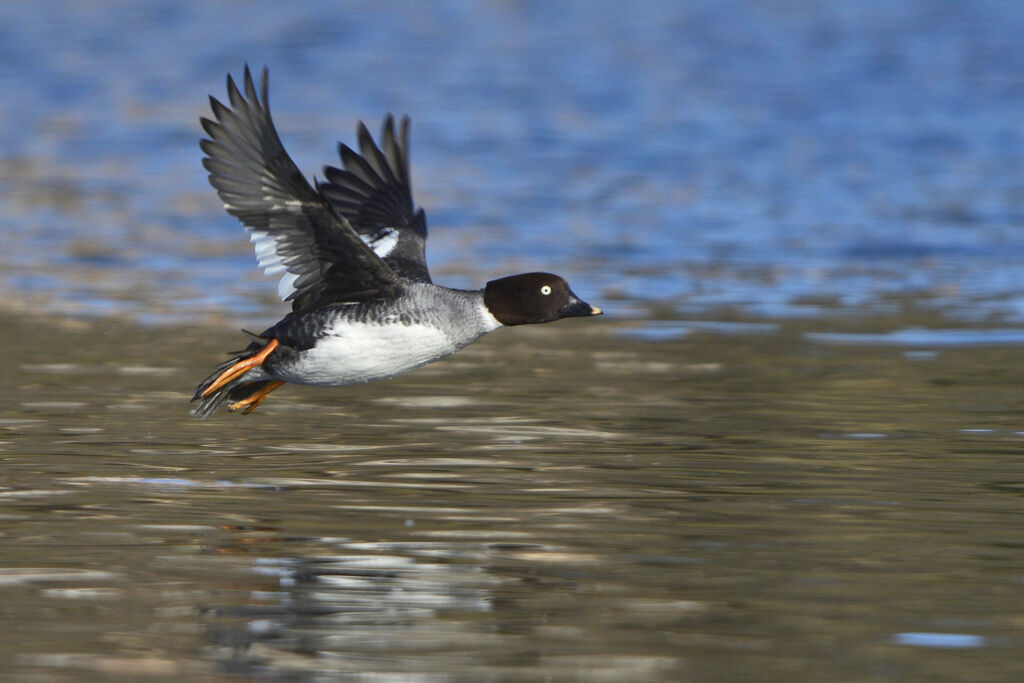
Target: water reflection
point(708, 505)
point(352, 609)
point(420, 607)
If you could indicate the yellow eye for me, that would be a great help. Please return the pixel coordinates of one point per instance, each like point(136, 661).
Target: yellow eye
point(545, 290)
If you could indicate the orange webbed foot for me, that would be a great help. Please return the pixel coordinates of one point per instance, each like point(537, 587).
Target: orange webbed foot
point(251, 402)
point(240, 368)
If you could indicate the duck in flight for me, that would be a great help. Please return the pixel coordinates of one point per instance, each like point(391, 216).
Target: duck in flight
point(350, 254)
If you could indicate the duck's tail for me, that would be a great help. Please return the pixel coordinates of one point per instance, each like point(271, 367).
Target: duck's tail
point(228, 381)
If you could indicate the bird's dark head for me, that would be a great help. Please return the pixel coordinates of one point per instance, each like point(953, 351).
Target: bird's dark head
point(534, 298)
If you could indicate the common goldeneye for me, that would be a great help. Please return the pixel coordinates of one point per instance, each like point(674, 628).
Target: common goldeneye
point(350, 253)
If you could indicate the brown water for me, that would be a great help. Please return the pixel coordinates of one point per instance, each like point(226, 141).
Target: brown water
point(559, 502)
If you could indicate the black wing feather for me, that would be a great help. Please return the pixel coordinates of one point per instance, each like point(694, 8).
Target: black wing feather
point(373, 191)
point(296, 230)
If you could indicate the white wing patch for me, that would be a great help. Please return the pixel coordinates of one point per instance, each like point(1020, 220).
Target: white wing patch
point(271, 262)
point(383, 242)
point(265, 244)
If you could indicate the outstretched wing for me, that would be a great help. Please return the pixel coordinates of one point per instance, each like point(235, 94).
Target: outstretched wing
point(296, 231)
point(374, 193)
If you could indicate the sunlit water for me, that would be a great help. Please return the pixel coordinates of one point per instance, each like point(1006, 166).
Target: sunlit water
point(791, 451)
point(775, 157)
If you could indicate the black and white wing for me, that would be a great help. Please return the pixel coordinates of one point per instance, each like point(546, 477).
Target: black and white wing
point(295, 230)
point(374, 192)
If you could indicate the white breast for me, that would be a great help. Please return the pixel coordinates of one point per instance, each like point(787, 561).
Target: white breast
point(361, 352)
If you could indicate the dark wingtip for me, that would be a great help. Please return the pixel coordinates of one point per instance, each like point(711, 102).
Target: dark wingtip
point(250, 87)
point(404, 133)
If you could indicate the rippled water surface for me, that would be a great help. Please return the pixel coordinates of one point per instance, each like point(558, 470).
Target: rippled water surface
point(558, 502)
point(791, 451)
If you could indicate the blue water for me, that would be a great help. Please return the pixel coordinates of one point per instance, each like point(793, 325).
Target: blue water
point(940, 640)
point(778, 159)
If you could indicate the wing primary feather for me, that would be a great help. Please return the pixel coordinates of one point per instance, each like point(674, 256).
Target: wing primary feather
point(394, 152)
point(296, 232)
point(358, 166)
point(372, 190)
point(373, 156)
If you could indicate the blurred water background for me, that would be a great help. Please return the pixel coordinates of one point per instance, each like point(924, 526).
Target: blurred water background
point(790, 451)
point(773, 157)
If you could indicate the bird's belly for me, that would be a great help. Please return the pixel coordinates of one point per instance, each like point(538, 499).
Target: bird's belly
point(362, 352)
